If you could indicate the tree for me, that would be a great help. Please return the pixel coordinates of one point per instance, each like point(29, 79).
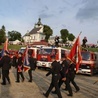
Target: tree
point(14, 35)
point(3, 28)
point(64, 35)
point(48, 32)
point(2, 34)
point(71, 37)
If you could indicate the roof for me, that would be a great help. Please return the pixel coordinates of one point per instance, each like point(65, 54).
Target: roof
point(40, 43)
point(34, 31)
point(27, 34)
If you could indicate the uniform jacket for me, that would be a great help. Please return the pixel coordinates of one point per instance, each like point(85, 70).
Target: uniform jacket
point(19, 61)
point(71, 72)
point(55, 70)
point(64, 68)
point(5, 62)
point(19, 64)
point(32, 63)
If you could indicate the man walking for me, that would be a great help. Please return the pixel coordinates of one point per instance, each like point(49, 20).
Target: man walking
point(5, 65)
point(55, 71)
point(63, 71)
point(32, 64)
point(70, 78)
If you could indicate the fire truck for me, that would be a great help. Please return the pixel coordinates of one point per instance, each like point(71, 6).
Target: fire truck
point(44, 55)
point(89, 63)
point(32, 49)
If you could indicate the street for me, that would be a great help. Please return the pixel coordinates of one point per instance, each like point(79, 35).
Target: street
point(41, 83)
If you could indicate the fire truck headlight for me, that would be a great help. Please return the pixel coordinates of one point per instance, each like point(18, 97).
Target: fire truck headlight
point(88, 66)
point(38, 63)
point(49, 64)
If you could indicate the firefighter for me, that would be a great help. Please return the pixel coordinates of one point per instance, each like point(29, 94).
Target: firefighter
point(14, 61)
point(84, 42)
point(20, 68)
point(5, 65)
point(56, 41)
point(70, 78)
point(55, 71)
point(32, 64)
point(63, 71)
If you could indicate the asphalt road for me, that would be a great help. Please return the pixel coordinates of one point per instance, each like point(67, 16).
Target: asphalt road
point(41, 83)
point(86, 83)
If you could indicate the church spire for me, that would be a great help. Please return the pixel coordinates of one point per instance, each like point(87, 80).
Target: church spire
point(39, 22)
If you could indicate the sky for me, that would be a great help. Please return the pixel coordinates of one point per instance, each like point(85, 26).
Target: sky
point(74, 15)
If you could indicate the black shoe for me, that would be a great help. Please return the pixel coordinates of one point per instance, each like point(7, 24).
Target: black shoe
point(45, 95)
point(77, 90)
point(30, 81)
point(3, 83)
point(17, 81)
point(54, 92)
point(70, 95)
point(65, 89)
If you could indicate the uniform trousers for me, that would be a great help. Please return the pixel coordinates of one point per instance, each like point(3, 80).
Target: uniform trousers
point(68, 80)
point(30, 74)
point(5, 75)
point(54, 83)
point(18, 76)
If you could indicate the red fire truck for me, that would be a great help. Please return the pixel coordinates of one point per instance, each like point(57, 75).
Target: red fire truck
point(89, 63)
point(44, 55)
point(32, 49)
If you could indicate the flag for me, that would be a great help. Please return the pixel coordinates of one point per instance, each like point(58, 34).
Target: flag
point(75, 53)
point(26, 60)
point(5, 47)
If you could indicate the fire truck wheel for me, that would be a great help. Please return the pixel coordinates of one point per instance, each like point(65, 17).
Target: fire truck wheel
point(92, 72)
point(39, 67)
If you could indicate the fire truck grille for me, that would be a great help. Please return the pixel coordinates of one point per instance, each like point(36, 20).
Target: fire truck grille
point(85, 66)
point(44, 59)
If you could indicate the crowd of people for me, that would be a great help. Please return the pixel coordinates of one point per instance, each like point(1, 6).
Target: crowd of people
point(6, 62)
point(62, 72)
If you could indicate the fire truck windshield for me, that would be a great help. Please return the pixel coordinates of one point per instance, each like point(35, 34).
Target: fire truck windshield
point(47, 51)
point(85, 55)
point(22, 50)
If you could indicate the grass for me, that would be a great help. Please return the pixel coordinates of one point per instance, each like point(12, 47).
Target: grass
point(89, 49)
point(13, 47)
point(17, 47)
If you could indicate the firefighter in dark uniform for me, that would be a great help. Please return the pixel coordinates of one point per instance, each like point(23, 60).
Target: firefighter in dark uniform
point(55, 71)
point(20, 68)
point(63, 71)
point(14, 61)
point(32, 64)
point(5, 65)
point(70, 78)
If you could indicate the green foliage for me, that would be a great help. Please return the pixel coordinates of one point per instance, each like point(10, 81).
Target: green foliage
point(71, 37)
point(64, 35)
point(14, 35)
point(92, 49)
point(48, 32)
point(13, 47)
point(2, 35)
point(89, 49)
point(3, 28)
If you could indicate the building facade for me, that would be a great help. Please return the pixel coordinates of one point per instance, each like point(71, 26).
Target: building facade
point(36, 34)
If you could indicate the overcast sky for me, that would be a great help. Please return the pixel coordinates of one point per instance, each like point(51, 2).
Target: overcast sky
point(74, 15)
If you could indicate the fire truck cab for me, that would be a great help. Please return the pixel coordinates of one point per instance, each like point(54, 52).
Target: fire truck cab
point(32, 49)
point(44, 55)
point(89, 63)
